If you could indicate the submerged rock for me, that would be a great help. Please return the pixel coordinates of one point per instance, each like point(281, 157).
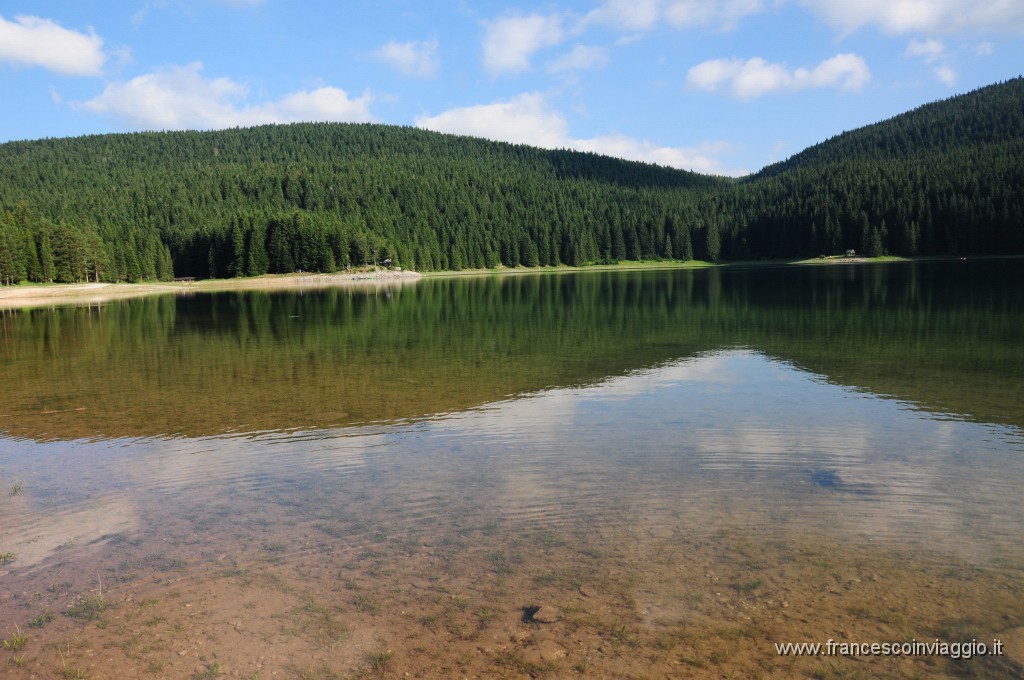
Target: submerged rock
point(546, 614)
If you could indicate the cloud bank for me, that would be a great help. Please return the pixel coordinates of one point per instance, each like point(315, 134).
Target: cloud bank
point(510, 41)
point(644, 15)
point(33, 41)
point(529, 119)
point(756, 77)
point(922, 16)
point(178, 97)
point(416, 59)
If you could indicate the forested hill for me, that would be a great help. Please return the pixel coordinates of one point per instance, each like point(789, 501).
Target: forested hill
point(946, 178)
point(991, 115)
point(317, 197)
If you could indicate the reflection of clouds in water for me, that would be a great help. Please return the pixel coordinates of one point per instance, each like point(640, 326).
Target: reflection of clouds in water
point(38, 536)
point(756, 442)
point(560, 417)
point(246, 461)
point(943, 435)
point(716, 369)
point(80, 495)
point(740, 438)
point(730, 439)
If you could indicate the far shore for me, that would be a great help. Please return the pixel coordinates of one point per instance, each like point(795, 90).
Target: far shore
point(46, 295)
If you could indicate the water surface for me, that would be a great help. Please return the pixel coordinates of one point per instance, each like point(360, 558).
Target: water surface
point(684, 467)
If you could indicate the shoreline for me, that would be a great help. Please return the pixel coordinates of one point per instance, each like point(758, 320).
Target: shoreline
point(43, 295)
point(60, 294)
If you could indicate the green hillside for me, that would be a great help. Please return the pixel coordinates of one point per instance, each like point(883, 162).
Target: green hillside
point(944, 179)
point(991, 115)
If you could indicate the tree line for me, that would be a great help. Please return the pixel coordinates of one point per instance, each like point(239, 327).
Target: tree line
point(944, 179)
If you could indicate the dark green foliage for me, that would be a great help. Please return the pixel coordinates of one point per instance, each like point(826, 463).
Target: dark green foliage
point(944, 179)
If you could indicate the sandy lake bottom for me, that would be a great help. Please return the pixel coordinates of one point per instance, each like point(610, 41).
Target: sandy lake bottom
point(531, 537)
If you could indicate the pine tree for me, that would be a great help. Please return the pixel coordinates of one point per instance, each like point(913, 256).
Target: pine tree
point(236, 266)
point(713, 242)
point(257, 261)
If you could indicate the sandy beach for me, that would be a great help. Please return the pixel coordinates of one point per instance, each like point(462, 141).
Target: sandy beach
point(41, 295)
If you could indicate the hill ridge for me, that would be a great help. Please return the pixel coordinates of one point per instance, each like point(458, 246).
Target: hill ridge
point(945, 178)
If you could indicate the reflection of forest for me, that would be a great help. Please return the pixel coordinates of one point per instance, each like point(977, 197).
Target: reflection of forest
point(945, 336)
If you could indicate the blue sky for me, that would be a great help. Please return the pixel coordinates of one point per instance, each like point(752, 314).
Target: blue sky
point(716, 86)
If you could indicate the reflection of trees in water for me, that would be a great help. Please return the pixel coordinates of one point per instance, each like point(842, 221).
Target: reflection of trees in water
point(948, 336)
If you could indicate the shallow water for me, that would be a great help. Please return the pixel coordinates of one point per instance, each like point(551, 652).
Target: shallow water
point(680, 468)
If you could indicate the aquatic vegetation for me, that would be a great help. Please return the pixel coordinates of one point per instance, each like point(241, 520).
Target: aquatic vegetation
point(17, 640)
point(320, 623)
point(42, 619)
point(502, 564)
point(212, 671)
point(68, 669)
point(514, 659)
point(367, 603)
point(87, 608)
point(381, 661)
point(16, 489)
point(747, 586)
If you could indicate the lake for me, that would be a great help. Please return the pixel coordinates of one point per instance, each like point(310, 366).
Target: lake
point(594, 474)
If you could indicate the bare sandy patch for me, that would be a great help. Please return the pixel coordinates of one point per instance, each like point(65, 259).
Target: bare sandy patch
point(12, 297)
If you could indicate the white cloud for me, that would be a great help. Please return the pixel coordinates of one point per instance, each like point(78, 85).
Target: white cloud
point(704, 158)
point(946, 74)
point(525, 119)
point(933, 16)
point(529, 119)
point(756, 77)
point(748, 79)
point(929, 50)
point(726, 13)
point(322, 104)
point(643, 15)
point(984, 49)
point(416, 58)
point(178, 97)
point(630, 15)
point(33, 41)
point(581, 57)
point(510, 41)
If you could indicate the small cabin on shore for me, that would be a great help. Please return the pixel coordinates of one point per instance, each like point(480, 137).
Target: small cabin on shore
point(851, 253)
